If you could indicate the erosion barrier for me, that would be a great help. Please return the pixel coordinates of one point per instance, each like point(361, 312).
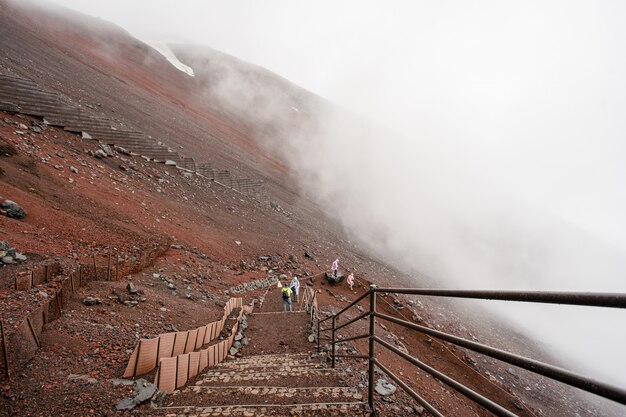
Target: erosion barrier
point(25, 280)
point(174, 372)
point(147, 353)
point(25, 96)
point(19, 344)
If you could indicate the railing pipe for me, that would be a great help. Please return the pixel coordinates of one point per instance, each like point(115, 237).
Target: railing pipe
point(333, 342)
point(353, 356)
point(550, 371)
point(348, 306)
point(371, 355)
point(432, 410)
point(318, 336)
point(469, 393)
point(357, 318)
point(593, 299)
point(349, 339)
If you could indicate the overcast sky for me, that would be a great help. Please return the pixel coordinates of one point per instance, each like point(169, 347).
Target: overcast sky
point(489, 98)
point(534, 89)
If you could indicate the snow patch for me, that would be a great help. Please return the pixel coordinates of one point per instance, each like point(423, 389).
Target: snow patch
point(164, 50)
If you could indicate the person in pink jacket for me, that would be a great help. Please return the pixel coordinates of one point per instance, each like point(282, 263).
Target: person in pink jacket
point(334, 267)
point(350, 280)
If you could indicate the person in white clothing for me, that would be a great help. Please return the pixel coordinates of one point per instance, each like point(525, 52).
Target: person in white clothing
point(295, 288)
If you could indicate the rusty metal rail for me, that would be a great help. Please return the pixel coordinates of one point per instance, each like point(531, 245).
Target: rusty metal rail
point(602, 389)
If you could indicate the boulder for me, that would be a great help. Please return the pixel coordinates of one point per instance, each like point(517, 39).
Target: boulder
point(107, 149)
point(121, 150)
point(91, 301)
point(384, 388)
point(86, 135)
point(12, 209)
point(100, 154)
point(132, 289)
point(333, 280)
point(142, 391)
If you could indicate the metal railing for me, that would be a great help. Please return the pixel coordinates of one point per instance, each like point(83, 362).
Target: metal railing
point(565, 376)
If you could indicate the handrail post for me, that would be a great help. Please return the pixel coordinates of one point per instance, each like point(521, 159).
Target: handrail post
point(371, 356)
point(318, 335)
point(333, 342)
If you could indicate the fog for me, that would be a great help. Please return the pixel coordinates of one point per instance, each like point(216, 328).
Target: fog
point(479, 143)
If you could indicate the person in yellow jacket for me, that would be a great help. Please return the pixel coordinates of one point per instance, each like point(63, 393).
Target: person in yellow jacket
point(286, 294)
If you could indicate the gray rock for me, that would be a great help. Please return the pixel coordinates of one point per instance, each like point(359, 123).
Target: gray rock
point(176, 246)
point(126, 404)
point(311, 338)
point(237, 345)
point(244, 341)
point(91, 301)
point(107, 149)
point(169, 162)
point(118, 382)
point(4, 245)
point(86, 135)
point(8, 260)
point(238, 337)
point(131, 288)
point(20, 258)
point(233, 351)
point(121, 150)
point(143, 391)
point(419, 410)
point(74, 169)
point(13, 210)
point(82, 378)
point(100, 154)
point(384, 388)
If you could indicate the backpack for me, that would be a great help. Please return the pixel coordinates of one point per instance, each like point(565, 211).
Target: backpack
point(286, 295)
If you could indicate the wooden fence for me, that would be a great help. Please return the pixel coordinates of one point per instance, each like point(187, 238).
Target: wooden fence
point(19, 345)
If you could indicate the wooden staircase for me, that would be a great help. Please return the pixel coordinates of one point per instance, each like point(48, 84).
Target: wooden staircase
point(287, 379)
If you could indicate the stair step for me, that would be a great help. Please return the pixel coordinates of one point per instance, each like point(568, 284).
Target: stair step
point(301, 410)
point(224, 396)
point(251, 368)
point(296, 377)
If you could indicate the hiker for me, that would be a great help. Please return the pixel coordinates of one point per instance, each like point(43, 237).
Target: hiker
point(286, 293)
point(334, 267)
point(350, 280)
point(295, 288)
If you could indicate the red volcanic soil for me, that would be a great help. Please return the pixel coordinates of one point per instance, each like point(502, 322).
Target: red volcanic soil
point(124, 203)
